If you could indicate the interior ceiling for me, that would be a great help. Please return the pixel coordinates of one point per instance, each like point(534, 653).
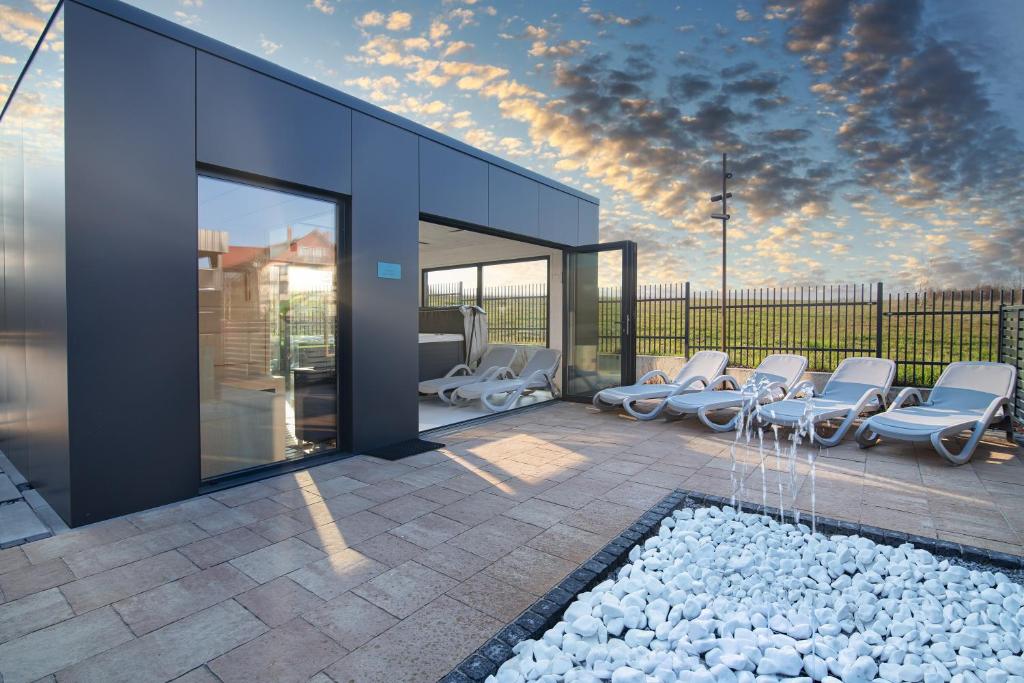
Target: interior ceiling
point(438, 238)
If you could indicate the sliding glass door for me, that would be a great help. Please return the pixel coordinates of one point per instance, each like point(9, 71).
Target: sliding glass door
point(600, 284)
point(268, 286)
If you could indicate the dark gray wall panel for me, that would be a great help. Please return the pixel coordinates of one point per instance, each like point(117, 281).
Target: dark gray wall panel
point(254, 123)
point(588, 223)
point(452, 184)
point(559, 216)
point(385, 226)
point(514, 203)
point(131, 267)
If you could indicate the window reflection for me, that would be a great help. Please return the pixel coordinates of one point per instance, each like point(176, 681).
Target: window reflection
point(267, 322)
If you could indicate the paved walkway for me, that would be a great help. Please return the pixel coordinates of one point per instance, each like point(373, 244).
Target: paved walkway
point(366, 570)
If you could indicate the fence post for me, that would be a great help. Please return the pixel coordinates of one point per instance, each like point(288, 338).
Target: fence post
point(878, 320)
point(686, 319)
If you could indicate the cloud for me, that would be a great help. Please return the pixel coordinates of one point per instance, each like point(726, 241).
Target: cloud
point(399, 21)
point(439, 29)
point(601, 18)
point(743, 15)
point(324, 6)
point(19, 27)
point(268, 46)
point(6, 59)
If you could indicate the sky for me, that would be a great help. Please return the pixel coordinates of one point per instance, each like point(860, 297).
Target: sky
point(869, 139)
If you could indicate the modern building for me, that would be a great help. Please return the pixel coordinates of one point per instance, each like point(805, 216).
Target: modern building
point(213, 268)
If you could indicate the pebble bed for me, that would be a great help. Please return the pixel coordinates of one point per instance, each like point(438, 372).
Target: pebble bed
point(719, 596)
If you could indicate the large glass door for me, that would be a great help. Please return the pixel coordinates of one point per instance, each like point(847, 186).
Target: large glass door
point(600, 283)
point(268, 286)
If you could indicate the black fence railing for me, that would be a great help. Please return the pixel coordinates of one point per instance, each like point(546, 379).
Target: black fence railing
point(516, 314)
point(922, 331)
point(1012, 352)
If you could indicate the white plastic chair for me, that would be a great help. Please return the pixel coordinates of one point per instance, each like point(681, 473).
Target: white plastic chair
point(538, 373)
point(969, 395)
point(695, 375)
point(495, 359)
point(857, 385)
point(772, 379)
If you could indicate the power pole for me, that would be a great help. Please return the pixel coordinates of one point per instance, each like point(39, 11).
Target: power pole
point(724, 217)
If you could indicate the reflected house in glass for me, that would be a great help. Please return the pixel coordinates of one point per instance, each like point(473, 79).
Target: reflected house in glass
point(192, 241)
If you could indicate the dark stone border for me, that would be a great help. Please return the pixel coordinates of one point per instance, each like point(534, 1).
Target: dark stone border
point(546, 612)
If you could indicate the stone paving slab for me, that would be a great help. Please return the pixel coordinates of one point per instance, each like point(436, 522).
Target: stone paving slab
point(367, 570)
point(8, 491)
point(19, 524)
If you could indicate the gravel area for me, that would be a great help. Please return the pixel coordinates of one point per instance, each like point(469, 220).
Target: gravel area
point(718, 596)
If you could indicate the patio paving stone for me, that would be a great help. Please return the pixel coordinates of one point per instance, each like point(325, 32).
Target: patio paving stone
point(337, 573)
point(405, 588)
point(43, 652)
point(170, 651)
point(350, 620)
point(454, 541)
point(347, 531)
point(96, 559)
point(165, 604)
point(406, 508)
point(122, 582)
point(493, 597)
point(223, 547)
point(291, 653)
point(389, 549)
point(279, 601)
point(32, 613)
point(34, 578)
point(276, 560)
point(531, 570)
point(429, 530)
point(452, 561)
point(444, 632)
point(18, 523)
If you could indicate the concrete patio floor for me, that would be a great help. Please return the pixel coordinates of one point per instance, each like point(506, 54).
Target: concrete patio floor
point(367, 570)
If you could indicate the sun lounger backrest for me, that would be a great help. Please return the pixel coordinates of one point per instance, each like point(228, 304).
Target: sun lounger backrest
point(780, 367)
point(543, 359)
point(854, 376)
point(971, 385)
point(496, 357)
point(706, 364)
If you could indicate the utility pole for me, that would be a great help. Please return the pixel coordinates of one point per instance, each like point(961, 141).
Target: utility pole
point(724, 217)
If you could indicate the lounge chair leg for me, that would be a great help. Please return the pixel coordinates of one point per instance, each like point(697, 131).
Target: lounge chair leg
point(702, 415)
point(629, 406)
point(865, 437)
point(601, 405)
point(964, 456)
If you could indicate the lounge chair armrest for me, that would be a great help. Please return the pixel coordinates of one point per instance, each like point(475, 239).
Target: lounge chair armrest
point(993, 407)
point(868, 396)
point(538, 376)
point(651, 375)
point(717, 382)
point(504, 372)
point(490, 373)
point(771, 388)
point(692, 383)
point(802, 387)
point(461, 367)
point(906, 394)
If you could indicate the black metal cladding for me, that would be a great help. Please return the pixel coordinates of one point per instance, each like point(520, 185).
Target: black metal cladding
point(142, 96)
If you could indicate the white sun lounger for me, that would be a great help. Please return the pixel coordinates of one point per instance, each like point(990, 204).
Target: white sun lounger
point(857, 385)
point(771, 380)
point(495, 359)
point(967, 396)
point(695, 375)
point(538, 373)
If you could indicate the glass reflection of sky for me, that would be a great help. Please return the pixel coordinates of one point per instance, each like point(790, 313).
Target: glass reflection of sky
point(255, 215)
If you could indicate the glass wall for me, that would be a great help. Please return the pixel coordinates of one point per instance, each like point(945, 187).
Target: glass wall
point(268, 288)
point(33, 296)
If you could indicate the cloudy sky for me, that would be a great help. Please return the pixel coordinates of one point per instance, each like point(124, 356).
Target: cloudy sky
point(871, 139)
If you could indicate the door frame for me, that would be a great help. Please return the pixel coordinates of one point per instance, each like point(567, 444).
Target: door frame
point(627, 334)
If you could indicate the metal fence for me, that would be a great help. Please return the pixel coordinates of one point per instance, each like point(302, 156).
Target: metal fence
point(516, 314)
point(1012, 351)
point(921, 331)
